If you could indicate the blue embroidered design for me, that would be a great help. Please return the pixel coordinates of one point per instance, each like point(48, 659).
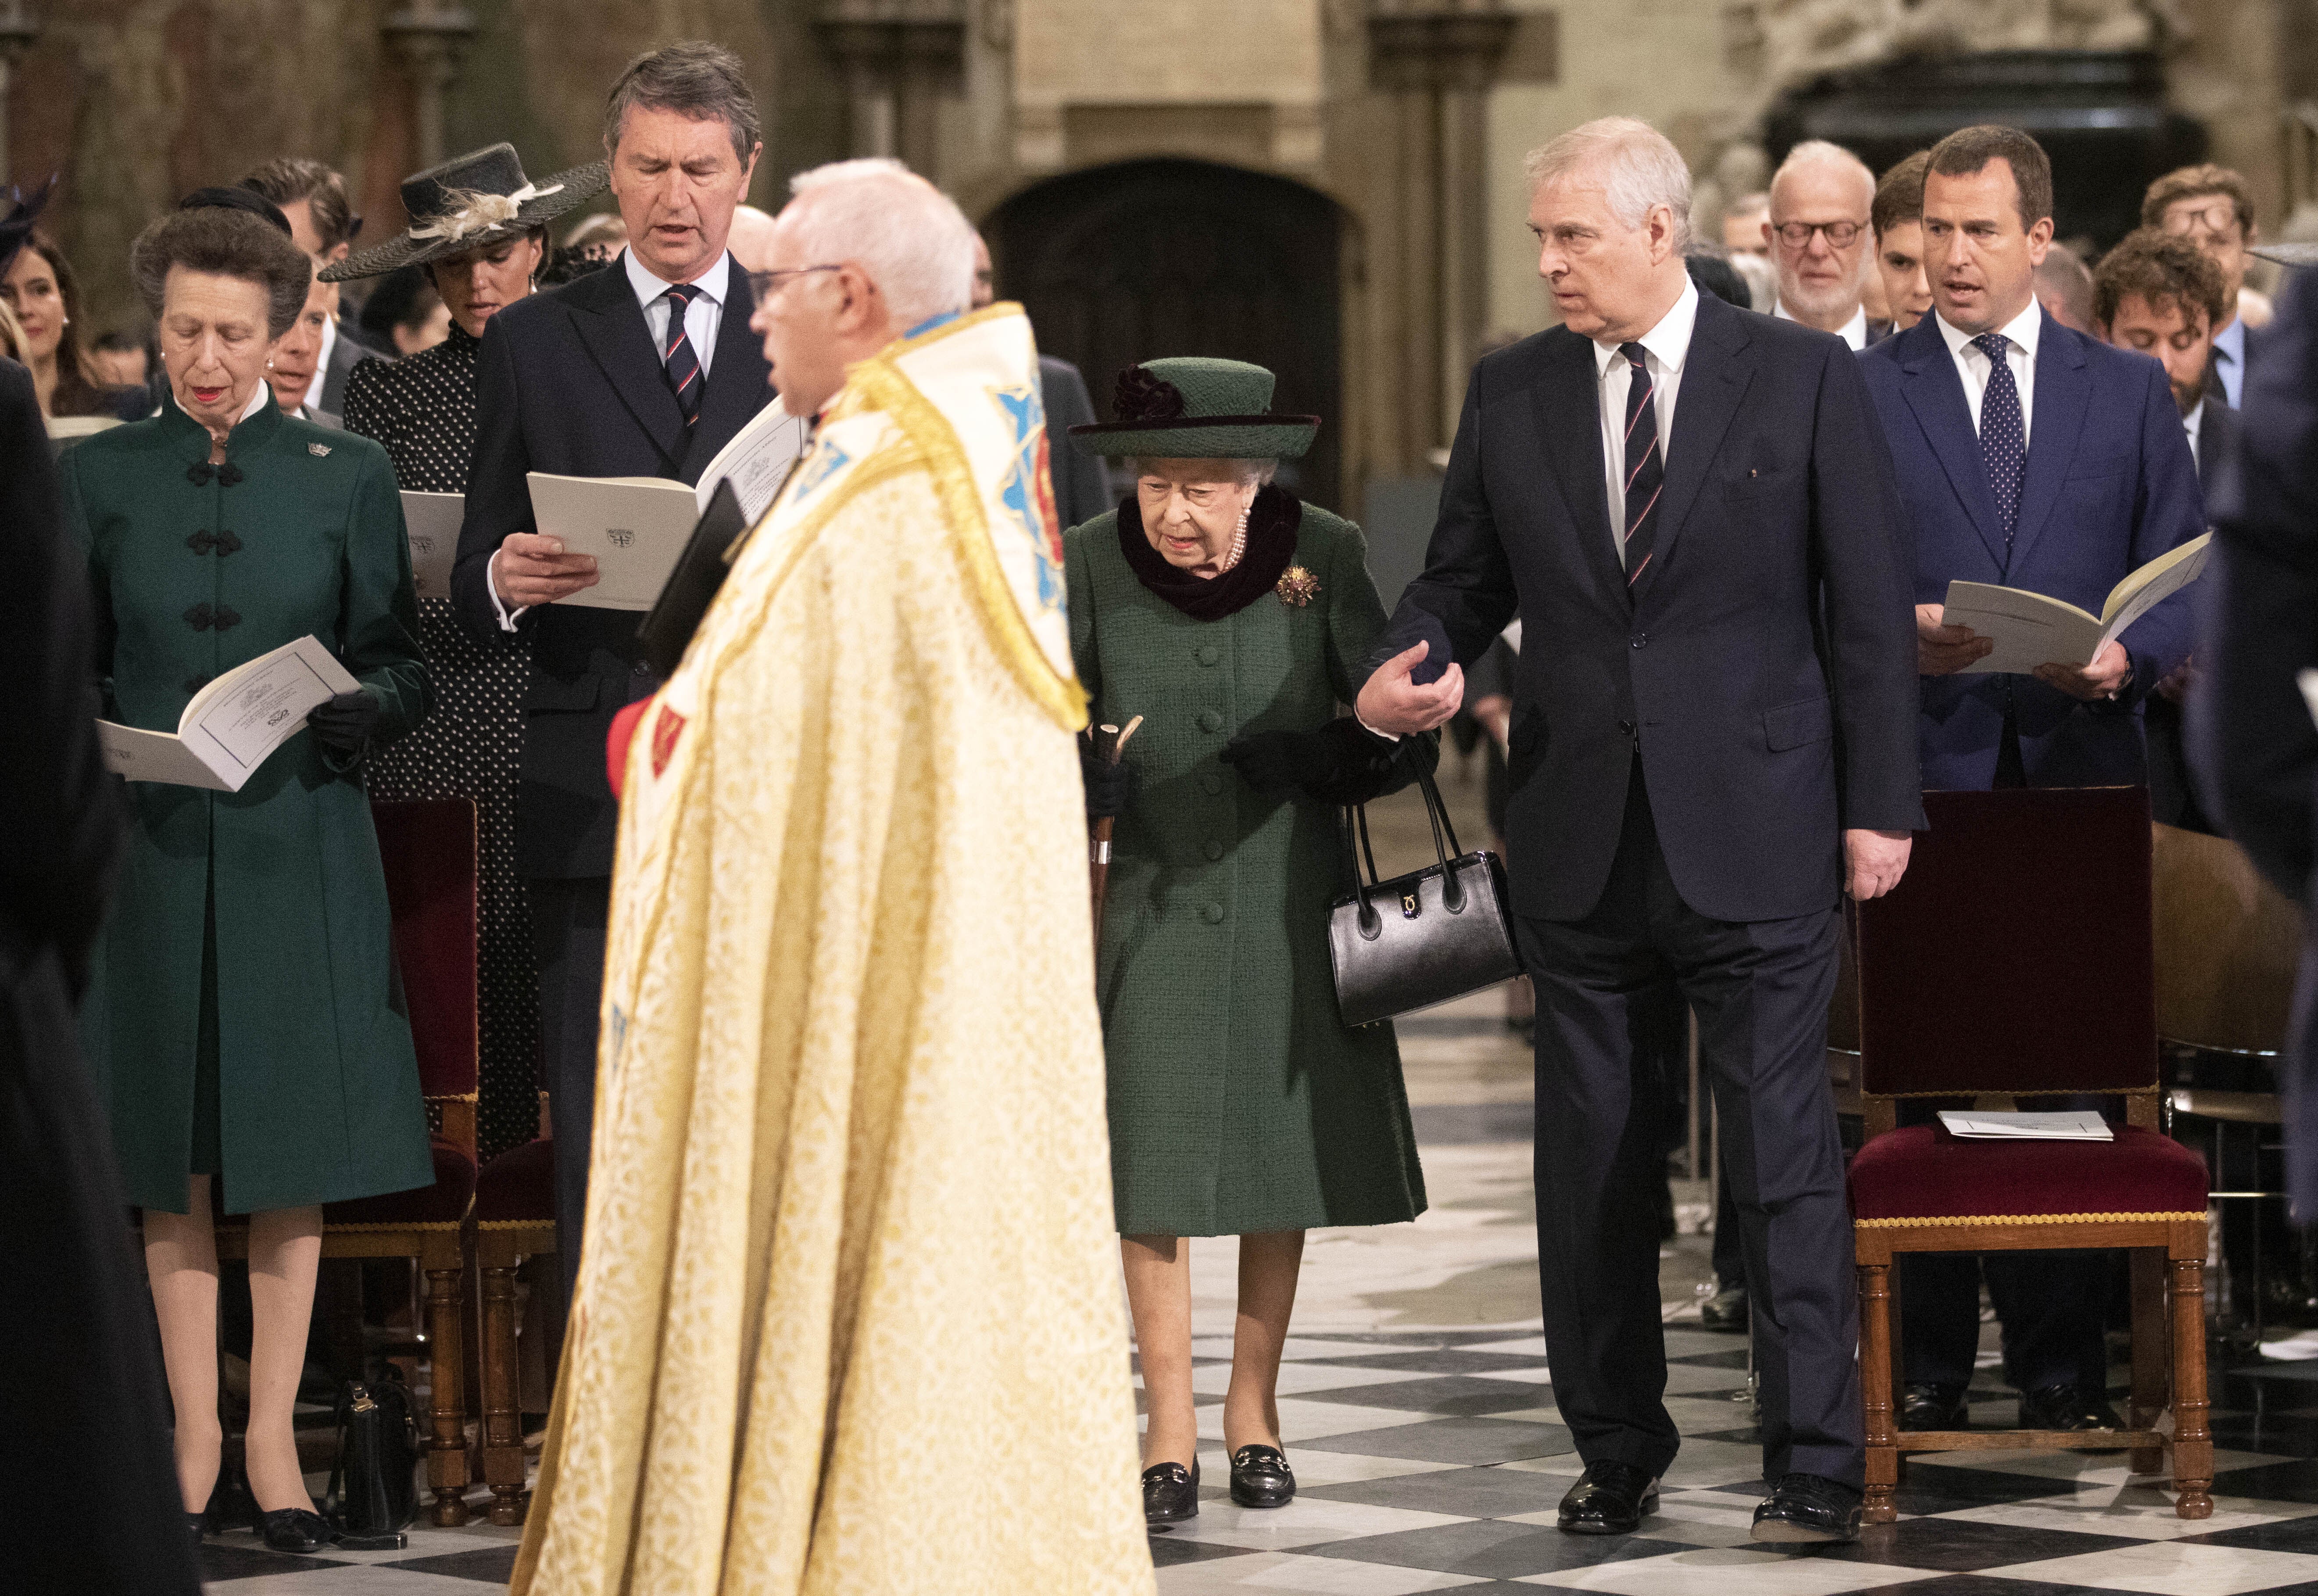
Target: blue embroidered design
point(822, 464)
point(1028, 492)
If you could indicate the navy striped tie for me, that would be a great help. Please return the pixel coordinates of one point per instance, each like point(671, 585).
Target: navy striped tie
point(678, 359)
point(1645, 464)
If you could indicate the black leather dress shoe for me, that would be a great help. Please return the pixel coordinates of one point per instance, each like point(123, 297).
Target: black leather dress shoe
point(1806, 1510)
point(1171, 1492)
point(294, 1530)
point(1726, 1311)
point(197, 1525)
point(2065, 1407)
point(1608, 1499)
point(1261, 1477)
point(1932, 1407)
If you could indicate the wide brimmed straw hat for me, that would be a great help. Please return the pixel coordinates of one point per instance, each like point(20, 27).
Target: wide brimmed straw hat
point(1198, 408)
point(473, 201)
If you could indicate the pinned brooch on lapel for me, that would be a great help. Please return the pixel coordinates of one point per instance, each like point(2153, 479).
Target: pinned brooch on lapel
point(1297, 586)
point(318, 450)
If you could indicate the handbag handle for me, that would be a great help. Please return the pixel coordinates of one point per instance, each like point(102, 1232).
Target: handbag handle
point(1354, 823)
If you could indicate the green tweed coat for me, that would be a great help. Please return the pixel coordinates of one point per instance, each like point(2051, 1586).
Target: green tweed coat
point(318, 1088)
point(1239, 1101)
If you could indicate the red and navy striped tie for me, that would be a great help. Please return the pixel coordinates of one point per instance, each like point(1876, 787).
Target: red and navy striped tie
point(1645, 464)
point(680, 360)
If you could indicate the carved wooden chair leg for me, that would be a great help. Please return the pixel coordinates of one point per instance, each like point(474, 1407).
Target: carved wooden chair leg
point(2150, 1340)
point(1875, 1383)
point(502, 1426)
point(447, 1470)
point(2193, 1437)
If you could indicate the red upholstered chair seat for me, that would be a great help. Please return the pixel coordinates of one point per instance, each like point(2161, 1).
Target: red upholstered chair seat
point(443, 1203)
point(1923, 1172)
point(518, 1185)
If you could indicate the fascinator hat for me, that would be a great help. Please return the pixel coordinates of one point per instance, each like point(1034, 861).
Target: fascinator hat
point(1198, 408)
point(18, 211)
point(473, 201)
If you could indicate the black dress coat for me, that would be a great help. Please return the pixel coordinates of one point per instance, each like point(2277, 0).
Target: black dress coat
point(1765, 665)
point(567, 382)
point(81, 1399)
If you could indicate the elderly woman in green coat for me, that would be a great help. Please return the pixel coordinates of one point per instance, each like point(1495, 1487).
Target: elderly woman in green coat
point(1234, 620)
point(245, 1013)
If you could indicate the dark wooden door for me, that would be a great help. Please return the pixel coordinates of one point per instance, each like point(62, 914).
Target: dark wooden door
point(1133, 261)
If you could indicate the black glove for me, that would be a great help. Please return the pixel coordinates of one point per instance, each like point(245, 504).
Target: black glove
point(1343, 762)
point(1109, 788)
point(345, 724)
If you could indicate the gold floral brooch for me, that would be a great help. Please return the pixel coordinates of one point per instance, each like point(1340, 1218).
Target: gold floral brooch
point(1298, 586)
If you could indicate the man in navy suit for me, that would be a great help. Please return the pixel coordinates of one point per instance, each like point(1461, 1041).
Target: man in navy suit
point(644, 369)
point(1691, 507)
point(2034, 457)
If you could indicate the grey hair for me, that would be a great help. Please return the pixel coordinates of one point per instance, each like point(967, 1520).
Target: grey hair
point(695, 79)
point(911, 237)
point(1256, 474)
point(1638, 167)
point(223, 243)
point(1813, 151)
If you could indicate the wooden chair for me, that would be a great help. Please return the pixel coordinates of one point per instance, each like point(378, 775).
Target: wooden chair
point(2015, 960)
point(515, 1219)
point(428, 848)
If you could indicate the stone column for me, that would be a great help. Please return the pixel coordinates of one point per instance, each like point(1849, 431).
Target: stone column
point(1434, 61)
point(430, 35)
point(18, 28)
point(899, 57)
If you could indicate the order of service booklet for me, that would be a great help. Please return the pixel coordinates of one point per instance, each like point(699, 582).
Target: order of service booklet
point(637, 527)
point(2031, 629)
point(232, 724)
point(432, 521)
point(2073, 1126)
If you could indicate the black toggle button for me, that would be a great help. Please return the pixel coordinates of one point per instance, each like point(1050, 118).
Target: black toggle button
point(224, 542)
point(204, 615)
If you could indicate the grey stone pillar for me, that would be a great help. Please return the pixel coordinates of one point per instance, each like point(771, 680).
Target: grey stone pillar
point(430, 35)
point(899, 57)
point(18, 28)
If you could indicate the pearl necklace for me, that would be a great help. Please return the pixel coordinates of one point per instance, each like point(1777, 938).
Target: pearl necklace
point(1239, 542)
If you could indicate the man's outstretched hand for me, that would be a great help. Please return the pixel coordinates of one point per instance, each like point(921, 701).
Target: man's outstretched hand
point(1392, 703)
point(1873, 862)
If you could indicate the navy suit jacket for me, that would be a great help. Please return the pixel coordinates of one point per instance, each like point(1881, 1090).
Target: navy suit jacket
point(2111, 485)
point(567, 382)
point(1763, 667)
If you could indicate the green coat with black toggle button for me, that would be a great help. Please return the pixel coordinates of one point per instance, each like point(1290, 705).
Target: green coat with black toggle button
point(1239, 1101)
point(245, 1019)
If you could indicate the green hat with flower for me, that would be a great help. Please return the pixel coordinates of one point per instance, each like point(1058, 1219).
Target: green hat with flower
point(1195, 407)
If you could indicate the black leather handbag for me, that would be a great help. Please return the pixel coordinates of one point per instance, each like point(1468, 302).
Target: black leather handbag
point(1420, 939)
point(373, 1493)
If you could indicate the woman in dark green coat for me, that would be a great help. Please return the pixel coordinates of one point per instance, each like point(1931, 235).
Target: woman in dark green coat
point(1234, 620)
point(245, 1016)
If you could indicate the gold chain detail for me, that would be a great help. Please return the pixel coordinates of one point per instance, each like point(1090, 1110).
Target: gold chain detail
point(2199, 1216)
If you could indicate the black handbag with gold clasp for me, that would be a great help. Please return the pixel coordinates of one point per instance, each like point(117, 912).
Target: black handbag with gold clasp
point(1419, 940)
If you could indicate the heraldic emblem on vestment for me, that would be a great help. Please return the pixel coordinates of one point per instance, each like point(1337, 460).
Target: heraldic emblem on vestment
point(1027, 492)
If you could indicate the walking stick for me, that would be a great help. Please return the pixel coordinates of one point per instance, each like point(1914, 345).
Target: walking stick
point(1109, 743)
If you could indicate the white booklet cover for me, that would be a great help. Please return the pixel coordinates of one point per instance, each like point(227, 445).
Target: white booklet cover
point(233, 724)
point(758, 461)
point(2033, 629)
point(432, 520)
point(634, 527)
point(2076, 1127)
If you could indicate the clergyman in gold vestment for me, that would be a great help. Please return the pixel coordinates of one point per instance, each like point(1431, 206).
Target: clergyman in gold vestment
point(850, 1288)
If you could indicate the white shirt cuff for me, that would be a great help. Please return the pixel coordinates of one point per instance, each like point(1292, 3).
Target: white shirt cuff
point(1372, 732)
point(507, 618)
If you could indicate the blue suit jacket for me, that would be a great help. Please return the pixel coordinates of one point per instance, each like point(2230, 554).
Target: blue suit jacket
point(2111, 485)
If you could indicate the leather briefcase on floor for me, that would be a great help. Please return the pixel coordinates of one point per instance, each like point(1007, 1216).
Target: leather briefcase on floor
point(1419, 940)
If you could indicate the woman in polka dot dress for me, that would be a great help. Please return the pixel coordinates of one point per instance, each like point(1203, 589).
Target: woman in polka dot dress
point(480, 230)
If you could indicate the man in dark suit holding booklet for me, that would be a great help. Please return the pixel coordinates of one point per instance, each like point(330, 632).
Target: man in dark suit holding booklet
point(2029, 457)
point(644, 369)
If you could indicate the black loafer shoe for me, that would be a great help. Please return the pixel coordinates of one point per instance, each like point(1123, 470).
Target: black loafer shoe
point(1724, 1311)
point(1261, 1477)
point(1806, 1510)
point(2065, 1407)
point(1932, 1407)
point(197, 1527)
point(1171, 1492)
point(1608, 1499)
point(294, 1530)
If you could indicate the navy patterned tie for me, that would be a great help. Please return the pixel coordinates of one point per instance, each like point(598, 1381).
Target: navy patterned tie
point(1645, 464)
point(679, 358)
point(2003, 435)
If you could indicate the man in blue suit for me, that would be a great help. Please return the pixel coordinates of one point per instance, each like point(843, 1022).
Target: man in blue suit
point(2031, 456)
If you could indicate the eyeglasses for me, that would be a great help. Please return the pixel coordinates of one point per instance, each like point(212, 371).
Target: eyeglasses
point(2218, 219)
point(1797, 235)
point(764, 284)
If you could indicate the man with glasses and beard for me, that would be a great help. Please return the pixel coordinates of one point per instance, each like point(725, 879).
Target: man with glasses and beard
point(1818, 231)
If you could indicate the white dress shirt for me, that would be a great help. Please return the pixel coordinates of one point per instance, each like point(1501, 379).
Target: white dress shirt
point(2229, 359)
point(313, 399)
point(702, 319)
point(1664, 346)
point(2194, 424)
point(1853, 332)
point(2020, 354)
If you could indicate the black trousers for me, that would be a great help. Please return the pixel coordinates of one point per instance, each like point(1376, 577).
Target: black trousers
point(1761, 991)
point(569, 921)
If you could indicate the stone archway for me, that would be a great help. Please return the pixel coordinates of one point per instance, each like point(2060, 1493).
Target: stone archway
point(1129, 262)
